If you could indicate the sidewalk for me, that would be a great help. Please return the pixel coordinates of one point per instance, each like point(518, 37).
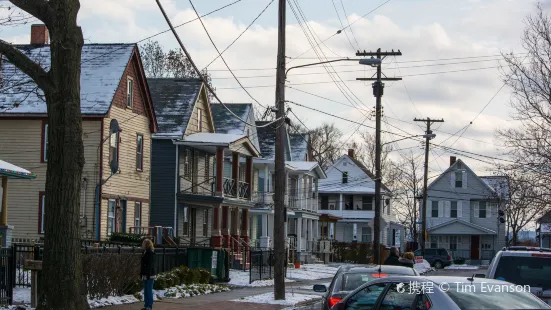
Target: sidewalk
point(221, 301)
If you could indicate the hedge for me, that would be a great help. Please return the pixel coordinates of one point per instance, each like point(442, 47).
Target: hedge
point(126, 237)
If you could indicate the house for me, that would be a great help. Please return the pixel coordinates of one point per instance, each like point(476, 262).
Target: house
point(543, 230)
point(191, 194)
point(463, 212)
point(113, 91)
point(347, 202)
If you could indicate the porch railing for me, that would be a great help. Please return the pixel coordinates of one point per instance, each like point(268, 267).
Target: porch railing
point(203, 242)
point(206, 187)
point(244, 190)
point(241, 190)
point(263, 199)
point(229, 187)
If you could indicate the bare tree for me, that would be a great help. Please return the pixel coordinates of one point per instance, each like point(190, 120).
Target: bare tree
point(173, 64)
point(408, 186)
point(325, 142)
point(60, 86)
point(365, 152)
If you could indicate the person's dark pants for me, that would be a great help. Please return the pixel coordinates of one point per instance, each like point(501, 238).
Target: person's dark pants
point(148, 293)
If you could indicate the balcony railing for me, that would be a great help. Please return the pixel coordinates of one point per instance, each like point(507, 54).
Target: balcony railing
point(205, 187)
point(244, 190)
point(235, 189)
point(303, 203)
point(263, 199)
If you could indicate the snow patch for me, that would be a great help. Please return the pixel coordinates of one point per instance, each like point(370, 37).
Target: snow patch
point(423, 267)
point(462, 267)
point(242, 278)
point(312, 272)
point(268, 298)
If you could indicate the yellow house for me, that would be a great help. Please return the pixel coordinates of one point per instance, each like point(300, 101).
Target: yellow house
point(114, 93)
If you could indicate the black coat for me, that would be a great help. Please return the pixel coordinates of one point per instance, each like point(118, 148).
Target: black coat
point(148, 264)
point(406, 262)
point(392, 260)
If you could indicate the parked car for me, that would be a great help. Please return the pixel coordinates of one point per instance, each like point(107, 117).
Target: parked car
point(348, 278)
point(524, 266)
point(437, 258)
point(450, 293)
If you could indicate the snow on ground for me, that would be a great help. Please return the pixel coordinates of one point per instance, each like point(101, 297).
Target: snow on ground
point(22, 295)
point(242, 278)
point(268, 298)
point(462, 267)
point(311, 272)
point(423, 267)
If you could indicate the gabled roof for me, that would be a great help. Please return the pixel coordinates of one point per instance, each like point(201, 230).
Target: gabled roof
point(452, 167)
point(173, 100)
point(499, 184)
point(307, 166)
point(225, 122)
point(102, 68)
point(267, 139)
point(367, 171)
point(299, 146)
point(218, 139)
point(479, 228)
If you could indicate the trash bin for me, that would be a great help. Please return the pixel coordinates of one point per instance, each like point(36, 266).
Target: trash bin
point(210, 259)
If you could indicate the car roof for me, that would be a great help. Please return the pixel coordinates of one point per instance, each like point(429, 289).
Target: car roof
point(436, 279)
point(375, 268)
point(522, 251)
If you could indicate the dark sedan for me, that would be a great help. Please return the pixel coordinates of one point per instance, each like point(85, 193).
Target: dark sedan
point(349, 278)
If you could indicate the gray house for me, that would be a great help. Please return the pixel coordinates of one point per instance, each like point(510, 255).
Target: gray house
point(463, 213)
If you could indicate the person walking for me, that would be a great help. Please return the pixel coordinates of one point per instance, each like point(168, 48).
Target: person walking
point(147, 273)
point(407, 259)
point(393, 259)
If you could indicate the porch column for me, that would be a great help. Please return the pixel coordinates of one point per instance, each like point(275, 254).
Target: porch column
point(332, 231)
point(245, 218)
point(216, 239)
point(355, 232)
point(4, 213)
point(316, 195)
point(235, 173)
point(267, 177)
point(311, 234)
point(226, 226)
point(299, 233)
point(219, 172)
point(341, 202)
point(249, 176)
point(300, 192)
point(235, 228)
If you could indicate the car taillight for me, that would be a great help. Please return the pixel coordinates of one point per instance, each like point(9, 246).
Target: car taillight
point(541, 255)
point(333, 301)
point(449, 257)
point(379, 275)
point(427, 305)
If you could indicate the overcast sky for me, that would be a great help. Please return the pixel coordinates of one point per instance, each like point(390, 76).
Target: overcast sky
point(428, 33)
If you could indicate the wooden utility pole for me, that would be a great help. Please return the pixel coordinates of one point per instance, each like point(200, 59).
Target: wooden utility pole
point(378, 87)
point(428, 134)
point(280, 212)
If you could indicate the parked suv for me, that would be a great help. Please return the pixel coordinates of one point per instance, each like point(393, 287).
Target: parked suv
point(524, 266)
point(437, 258)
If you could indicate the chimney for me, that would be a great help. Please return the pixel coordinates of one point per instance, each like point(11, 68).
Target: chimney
point(351, 153)
point(452, 160)
point(39, 35)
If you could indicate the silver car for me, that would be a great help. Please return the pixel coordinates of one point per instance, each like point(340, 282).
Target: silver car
point(439, 292)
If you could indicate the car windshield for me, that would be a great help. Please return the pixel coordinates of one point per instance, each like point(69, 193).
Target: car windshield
point(493, 295)
point(352, 280)
point(525, 270)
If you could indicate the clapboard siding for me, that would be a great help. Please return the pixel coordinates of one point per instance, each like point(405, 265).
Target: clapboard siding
point(163, 178)
point(207, 125)
point(20, 144)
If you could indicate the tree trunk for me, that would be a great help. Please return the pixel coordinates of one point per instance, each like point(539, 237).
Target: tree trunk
point(515, 236)
point(62, 268)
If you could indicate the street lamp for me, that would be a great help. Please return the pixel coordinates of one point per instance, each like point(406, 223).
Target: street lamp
point(374, 62)
point(321, 63)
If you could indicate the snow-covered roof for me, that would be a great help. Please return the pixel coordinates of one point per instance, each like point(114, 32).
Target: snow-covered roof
point(500, 185)
point(362, 186)
point(102, 68)
point(173, 100)
point(214, 138)
point(306, 166)
point(266, 139)
point(13, 171)
point(225, 122)
point(299, 146)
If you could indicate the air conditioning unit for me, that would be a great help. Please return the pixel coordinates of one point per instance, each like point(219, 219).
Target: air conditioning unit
point(331, 207)
point(82, 221)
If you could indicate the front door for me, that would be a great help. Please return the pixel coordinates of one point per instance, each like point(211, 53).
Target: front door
point(475, 247)
point(192, 224)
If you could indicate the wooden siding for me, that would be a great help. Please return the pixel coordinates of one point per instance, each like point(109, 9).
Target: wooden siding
point(163, 178)
point(201, 103)
point(201, 169)
point(23, 138)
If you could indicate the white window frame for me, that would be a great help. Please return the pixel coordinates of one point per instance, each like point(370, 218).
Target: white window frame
point(199, 120)
point(139, 151)
point(205, 223)
point(129, 92)
point(111, 217)
point(368, 236)
point(45, 142)
point(458, 173)
point(43, 207)
point(138, 214)
point(345, 177)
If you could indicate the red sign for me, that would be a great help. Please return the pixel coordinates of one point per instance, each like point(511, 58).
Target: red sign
point(418, 259)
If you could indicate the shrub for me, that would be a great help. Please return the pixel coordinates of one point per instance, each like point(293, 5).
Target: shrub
point(204, 276)
point(459, 261)
point(126, 238)
point(109, 274)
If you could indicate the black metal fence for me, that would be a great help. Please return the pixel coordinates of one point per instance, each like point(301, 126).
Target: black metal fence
point(6, 276)
point(262, 265)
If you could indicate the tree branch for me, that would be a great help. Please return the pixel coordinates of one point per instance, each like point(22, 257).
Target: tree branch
point(37, 8)
point(25, 64)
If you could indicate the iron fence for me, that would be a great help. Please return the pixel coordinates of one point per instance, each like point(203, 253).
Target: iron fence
point(262, 265)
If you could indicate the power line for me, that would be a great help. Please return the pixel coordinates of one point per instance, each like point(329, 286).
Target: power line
point(351, 31)
point(342, 25)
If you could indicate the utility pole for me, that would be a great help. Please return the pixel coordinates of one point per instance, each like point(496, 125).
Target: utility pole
point(429, 122)
point(280, 212)
point(378, 87)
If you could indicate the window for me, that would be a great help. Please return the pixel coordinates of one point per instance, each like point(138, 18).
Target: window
point(138, 214)
point(199, 120)
point(366, 234)
point(129, 92)
point(486, 246)
point(344, 177)
point(453, 211)
point(187, 164)
point(367, 203)
point(111, 217)
point(205, 223)
point(44, 143)
point(482, 209)
point(434, 209)
point(433, 242)
point(458, 178)
point(395, 299)
point(185, 226)
point(325, 202)
point(41, 213)
point(453, 243)
point(348, 202)
point(114, 147)
point(366, 299)
point(207, 167)
point(139, 152)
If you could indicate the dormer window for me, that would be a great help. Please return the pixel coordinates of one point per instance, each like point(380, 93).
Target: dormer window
point(345, 177)
point(129, 92)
